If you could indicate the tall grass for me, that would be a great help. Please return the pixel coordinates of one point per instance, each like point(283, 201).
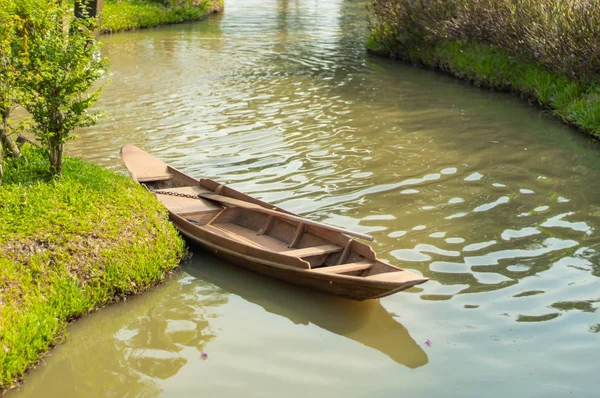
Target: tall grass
point(546, 50)
point(563, 35)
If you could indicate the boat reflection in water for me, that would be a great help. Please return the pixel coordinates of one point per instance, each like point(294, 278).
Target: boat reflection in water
point(367, 322)
point(134, 348)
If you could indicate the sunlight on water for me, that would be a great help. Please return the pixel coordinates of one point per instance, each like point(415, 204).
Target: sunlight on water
point(495, 202)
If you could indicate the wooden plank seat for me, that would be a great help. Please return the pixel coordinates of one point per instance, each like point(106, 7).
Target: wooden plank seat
point(154, 177)
point(145, 168)
point(344, 268)
point(313, 251)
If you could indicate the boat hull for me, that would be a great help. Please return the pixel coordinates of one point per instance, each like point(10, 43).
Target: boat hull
point(345, 286)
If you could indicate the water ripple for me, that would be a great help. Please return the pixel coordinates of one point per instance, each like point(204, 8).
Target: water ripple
point(280, 100)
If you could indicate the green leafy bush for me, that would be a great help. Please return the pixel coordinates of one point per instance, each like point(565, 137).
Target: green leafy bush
point(49, 62)
point(64, 62)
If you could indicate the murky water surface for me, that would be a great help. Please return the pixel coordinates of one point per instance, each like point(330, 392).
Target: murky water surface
point(484, 194)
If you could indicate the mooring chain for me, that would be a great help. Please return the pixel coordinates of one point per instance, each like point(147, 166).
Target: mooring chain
point(183, 195)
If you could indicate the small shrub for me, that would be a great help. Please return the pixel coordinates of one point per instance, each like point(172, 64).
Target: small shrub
point(64, 62)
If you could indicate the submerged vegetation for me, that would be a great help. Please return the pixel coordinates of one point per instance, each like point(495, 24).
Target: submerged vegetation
point(119, 15)
point(546, 50)
point(68, 246)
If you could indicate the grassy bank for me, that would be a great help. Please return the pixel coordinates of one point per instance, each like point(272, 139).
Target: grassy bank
point(543, 50)
point(69, 246)
point(120, 15)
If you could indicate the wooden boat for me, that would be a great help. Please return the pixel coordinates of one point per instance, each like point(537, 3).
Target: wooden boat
point(266, 239)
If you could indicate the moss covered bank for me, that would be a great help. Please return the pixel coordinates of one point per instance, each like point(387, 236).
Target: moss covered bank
point(547, 51)
point(121, 15)
point(69, 246)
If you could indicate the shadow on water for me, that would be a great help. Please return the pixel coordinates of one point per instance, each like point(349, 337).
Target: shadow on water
point(367, 323)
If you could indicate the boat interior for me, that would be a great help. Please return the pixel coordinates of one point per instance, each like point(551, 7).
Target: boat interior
point(323, 251)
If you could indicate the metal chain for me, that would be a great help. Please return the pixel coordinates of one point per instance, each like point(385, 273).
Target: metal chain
point(183, 195)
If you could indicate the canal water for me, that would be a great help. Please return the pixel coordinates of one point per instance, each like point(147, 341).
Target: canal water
point(482, 192)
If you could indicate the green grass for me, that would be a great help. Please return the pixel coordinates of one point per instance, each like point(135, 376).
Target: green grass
point(545, 50)
point(574, 101)
point(69, 246)
point(120, 15)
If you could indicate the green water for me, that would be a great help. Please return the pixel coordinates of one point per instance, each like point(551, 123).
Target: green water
point(494, 201)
